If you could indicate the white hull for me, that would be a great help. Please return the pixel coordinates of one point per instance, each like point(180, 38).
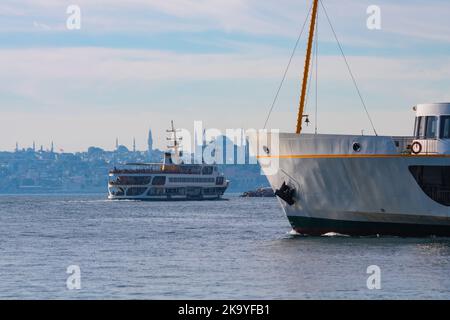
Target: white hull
point(369, 192)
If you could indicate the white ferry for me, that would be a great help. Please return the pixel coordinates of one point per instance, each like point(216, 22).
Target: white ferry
point(365, 185)
point(169, 180)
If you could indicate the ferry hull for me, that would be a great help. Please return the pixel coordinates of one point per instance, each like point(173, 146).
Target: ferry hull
point(374, 193)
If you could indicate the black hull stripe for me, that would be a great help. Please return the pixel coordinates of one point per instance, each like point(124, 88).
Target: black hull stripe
point(319, 226)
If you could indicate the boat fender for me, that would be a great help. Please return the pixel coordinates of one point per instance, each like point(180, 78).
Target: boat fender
point(286, 193)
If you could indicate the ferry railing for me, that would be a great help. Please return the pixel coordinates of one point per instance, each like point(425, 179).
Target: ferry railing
point(157, 168)
point(404, 145)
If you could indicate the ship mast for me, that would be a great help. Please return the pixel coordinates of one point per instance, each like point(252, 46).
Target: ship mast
point(175, 146)
point(306, 70)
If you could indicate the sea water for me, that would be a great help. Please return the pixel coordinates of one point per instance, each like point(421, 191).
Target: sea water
point(239, 248)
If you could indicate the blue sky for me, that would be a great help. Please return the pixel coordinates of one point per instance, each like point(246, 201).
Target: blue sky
point(141, 63)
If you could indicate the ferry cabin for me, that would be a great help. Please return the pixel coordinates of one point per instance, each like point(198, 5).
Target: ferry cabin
point(432, 129)
point(166, 182)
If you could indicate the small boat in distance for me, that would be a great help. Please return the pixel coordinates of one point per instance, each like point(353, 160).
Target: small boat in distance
point(169, 180)
point(263, 192)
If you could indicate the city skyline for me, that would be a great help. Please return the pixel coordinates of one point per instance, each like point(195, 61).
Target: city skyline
point(218, 61)
point(37, 145)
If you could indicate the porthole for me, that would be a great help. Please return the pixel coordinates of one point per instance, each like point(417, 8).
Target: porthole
point(356, 146)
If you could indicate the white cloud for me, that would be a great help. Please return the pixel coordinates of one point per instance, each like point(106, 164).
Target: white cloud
point(41, 26)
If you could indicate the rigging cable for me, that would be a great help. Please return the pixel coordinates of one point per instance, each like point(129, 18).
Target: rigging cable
point(349, 70)
point(287, 68)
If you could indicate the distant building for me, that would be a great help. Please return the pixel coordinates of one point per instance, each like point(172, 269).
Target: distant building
point(122, 149)
point(95, 151)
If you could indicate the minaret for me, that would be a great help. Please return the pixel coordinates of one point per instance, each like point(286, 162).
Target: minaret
point(17, 147)
point(117, 143)
point(150, 144)
point(134, 144)
point(52, 148)
point(150, 140)
point(34, 146)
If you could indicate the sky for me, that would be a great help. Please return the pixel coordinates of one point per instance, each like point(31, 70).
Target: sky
point(137, 64)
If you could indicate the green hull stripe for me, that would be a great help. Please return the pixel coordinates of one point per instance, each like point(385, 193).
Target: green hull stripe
point(318, 226)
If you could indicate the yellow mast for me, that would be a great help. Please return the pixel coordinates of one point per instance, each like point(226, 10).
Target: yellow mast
point(307, 63)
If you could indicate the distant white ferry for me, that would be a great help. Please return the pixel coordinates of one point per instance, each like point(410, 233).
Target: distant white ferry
point(170, 180)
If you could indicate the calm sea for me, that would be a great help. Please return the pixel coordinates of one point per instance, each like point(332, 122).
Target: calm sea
point(238, 249)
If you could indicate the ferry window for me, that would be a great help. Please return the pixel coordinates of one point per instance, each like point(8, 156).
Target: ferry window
point(219, 180)
point(207, 170)
point(209, 191)
point(445, 127)
point(155, 191)
point(135, 191)
point(130, 180)
point(431, 128)
point(159, 180)
point(416, 122)
point(175, 191)
point(420, 127)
